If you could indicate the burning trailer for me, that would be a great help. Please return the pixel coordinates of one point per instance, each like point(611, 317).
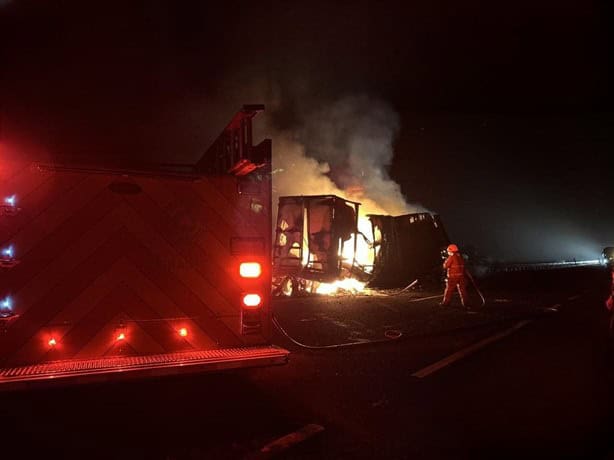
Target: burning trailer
point(315, 242)
point(406, 247)
point(323, 245)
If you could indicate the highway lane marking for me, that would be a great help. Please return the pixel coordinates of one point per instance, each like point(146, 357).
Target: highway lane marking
point(574, 297)
point(286, 442)
point(432, 368)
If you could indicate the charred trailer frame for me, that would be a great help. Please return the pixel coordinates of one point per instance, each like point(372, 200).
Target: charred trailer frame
point(310, 234)
point(406, 248)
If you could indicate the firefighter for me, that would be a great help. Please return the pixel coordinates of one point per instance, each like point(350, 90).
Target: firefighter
point(455, 277)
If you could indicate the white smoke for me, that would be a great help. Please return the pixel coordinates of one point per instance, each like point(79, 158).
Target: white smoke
point(343, 149)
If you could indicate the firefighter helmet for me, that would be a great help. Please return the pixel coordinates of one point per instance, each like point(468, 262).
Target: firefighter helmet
point(452, 248)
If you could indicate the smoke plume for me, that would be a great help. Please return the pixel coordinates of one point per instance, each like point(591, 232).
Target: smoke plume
point(344, 148)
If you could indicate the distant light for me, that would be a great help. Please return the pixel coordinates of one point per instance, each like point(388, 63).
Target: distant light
point(121, 337)
point(183, 332)
point(52, 342)
point(250, 270)
point(10, 200)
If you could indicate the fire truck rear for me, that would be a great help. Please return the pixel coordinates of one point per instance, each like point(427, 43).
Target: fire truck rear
point(133, 270)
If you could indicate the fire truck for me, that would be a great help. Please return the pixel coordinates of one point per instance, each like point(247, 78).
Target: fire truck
point(112, 271)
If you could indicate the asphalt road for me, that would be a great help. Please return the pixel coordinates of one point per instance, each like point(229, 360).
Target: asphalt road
point(525, 377)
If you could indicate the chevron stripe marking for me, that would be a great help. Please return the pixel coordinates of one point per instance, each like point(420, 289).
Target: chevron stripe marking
point(58, 267)
point(59, 210)
point(36, 203)
point(48, 305)
point(53, 246)
point(206, 265)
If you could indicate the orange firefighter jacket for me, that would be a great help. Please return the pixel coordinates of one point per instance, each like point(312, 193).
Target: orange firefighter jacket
point(455, 265)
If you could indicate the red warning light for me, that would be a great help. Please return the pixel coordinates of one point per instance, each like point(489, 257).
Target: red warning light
point(252, 300)
point(121, 337)
point(183, 332)
point(52, 342)
point(250, 269)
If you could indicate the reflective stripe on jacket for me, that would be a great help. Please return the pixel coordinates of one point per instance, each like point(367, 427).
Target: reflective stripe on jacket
point(455, 266)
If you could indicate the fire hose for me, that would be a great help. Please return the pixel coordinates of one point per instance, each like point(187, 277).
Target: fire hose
point(389, 338)
point(413, 283)
point(475, 286)
point(391, 334)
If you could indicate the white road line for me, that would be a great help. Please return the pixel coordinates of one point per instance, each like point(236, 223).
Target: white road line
point(426, 371)
point(289, 440)
point(574, 297)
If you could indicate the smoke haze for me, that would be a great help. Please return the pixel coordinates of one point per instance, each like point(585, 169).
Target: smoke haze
point(343, 148)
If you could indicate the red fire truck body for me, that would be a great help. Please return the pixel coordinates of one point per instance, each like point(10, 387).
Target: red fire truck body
point(122, 271)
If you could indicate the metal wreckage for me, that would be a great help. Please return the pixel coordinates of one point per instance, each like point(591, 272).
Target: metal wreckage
point(319, 240)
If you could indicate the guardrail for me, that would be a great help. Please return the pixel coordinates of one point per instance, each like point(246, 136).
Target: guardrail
point(539, 266)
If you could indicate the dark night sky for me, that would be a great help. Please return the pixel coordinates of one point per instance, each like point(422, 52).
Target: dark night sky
point(506, 110)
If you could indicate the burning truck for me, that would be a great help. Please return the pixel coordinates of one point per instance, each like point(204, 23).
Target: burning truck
point(322, 245)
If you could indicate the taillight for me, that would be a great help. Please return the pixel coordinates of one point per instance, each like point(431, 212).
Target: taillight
point(250, 270)
point(251, 313)
point(252, 300)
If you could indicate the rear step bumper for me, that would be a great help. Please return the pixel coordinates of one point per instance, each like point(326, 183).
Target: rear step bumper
point(113, 368)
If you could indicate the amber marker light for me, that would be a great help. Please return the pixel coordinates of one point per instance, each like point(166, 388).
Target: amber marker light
point(252, 300)
point(250, 269)
point(183, 332)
